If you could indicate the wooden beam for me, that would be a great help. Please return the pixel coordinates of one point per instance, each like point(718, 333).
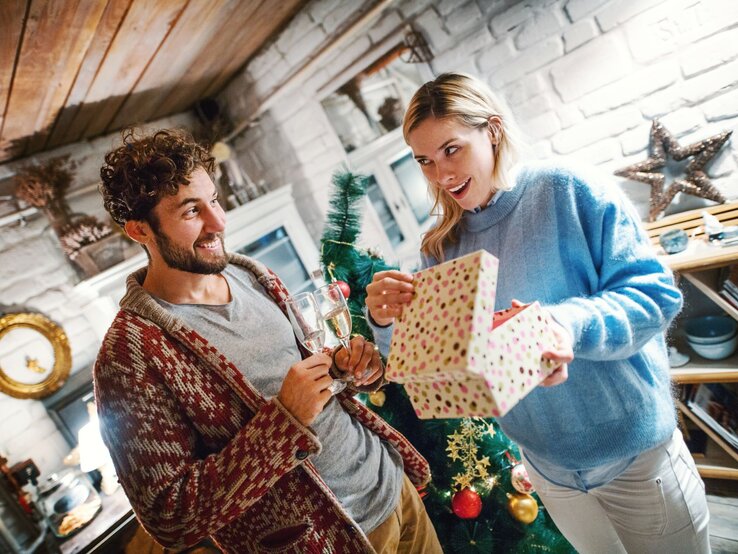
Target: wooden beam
point(292, 80)
point(206, 66)
point(12, 19)
point(56, 37)
point(76, 115)
point(267, 19)
point(144, 29)
point(196, 27)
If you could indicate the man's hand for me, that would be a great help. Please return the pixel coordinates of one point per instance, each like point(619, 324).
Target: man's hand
point(362, 360)
point(304, 391)
point(388, 292)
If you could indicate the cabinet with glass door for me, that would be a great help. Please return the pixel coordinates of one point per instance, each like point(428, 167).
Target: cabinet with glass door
point(398, 195)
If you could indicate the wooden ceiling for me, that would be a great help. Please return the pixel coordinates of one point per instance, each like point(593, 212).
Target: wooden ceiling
point(75, 69)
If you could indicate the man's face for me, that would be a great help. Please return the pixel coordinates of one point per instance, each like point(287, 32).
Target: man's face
point(188, 228)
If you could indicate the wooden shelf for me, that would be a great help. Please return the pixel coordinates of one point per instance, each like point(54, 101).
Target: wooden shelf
point(688, 375)
point(700, 255)
point(702, 370)
point(706, 282)
point(700, 264)
point(711, 470)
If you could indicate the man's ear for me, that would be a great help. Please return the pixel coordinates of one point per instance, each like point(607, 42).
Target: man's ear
point(140, 231)
point(494, 126)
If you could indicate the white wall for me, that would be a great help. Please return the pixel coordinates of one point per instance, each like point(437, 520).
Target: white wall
point(35, 275)
point(584, 78)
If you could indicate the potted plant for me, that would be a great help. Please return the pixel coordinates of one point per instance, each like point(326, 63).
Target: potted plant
point(89, 243)
point(44, 186)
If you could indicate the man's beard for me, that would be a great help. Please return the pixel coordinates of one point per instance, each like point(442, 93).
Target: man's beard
point(177, 257)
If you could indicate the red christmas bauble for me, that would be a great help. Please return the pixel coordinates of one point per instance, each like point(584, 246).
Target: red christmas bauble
point(466, 504)
point(345, 289)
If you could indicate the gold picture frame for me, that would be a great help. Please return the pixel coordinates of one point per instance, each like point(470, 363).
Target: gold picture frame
point(52, 379)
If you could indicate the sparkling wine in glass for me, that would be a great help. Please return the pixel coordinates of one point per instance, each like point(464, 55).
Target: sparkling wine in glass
point(334, 308)
point(309, 327)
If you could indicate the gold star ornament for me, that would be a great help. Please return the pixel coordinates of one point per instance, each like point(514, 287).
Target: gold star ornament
point(695, 180)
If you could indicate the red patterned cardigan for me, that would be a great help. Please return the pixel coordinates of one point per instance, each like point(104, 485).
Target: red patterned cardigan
point(199, 452)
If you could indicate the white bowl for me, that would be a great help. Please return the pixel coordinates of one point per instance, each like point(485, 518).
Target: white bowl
point(716, 351)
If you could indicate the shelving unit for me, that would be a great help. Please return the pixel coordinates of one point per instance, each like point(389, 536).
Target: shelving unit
point(701, 264)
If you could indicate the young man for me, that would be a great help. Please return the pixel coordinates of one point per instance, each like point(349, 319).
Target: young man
point(216, 424)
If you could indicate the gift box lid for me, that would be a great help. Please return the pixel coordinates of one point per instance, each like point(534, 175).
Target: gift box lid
point(444, 329)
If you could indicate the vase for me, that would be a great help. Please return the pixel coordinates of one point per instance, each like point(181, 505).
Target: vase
point(100, 255)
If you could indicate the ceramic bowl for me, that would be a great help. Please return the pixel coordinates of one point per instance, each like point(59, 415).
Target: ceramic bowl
point(710, 329)
point(716, 351)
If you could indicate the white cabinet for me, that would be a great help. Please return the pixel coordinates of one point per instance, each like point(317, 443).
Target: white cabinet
point(398, 200)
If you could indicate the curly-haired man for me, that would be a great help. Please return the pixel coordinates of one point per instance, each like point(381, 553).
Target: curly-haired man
point(217, 425)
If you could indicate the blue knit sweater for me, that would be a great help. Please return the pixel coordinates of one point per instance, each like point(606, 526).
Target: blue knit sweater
point(573, 242)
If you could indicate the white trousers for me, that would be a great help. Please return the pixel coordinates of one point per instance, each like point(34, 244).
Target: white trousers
point(656, 505)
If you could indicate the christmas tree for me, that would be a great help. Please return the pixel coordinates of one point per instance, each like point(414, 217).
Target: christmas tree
point(480, 497)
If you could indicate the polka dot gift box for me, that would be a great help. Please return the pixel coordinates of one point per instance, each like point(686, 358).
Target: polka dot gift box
point(455, 355)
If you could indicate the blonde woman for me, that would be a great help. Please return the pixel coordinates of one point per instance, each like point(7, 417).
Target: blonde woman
point(601, 446)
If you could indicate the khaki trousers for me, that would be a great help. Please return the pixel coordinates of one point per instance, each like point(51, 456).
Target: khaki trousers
point(408, 530)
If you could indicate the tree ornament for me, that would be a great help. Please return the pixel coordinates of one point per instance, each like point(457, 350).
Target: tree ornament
point(378, 398)
point(520, 480)
point(463, 446)
point(695, 181)
point(345, 289)
point(523, 507)
point(467, 504)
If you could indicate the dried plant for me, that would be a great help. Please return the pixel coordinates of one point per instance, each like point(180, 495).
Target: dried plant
point(80, 233)
point(44, 186)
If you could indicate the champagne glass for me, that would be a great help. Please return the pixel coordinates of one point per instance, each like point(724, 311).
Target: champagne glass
point(335, 311)
point(309, 327)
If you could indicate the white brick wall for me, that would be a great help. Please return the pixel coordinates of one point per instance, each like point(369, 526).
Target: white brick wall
point(584, 77)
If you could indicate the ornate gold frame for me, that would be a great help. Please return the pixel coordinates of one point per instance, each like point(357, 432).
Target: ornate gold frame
point(62, 356)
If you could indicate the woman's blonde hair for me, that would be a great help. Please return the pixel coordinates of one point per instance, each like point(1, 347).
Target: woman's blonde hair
point(472, 103)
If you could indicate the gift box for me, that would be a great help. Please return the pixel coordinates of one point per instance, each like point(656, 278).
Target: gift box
point(455, 355)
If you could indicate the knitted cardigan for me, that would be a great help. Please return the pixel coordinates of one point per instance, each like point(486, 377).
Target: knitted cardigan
point(199, 452)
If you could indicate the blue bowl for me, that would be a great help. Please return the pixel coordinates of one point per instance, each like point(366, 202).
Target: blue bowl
point(710, 329)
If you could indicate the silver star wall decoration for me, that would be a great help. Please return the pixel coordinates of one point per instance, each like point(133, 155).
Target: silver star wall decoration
point(695, 180)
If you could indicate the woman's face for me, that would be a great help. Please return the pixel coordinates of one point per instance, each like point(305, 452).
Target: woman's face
point(457, 159)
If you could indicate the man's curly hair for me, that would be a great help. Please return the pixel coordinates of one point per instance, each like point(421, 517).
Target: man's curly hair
point(136, 175)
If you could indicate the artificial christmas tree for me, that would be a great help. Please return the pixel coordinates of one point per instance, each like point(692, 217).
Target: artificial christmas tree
point(479, 497)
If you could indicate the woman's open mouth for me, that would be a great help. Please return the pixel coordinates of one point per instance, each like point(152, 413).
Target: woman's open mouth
point(460, 190)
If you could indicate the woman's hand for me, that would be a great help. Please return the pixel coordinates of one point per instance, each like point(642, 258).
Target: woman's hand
point(362, 360)
point(388, 292)
point(560, 354)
